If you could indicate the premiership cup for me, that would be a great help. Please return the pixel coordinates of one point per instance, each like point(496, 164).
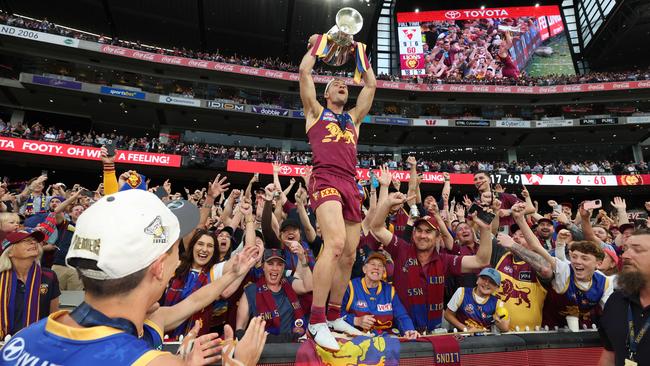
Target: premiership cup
point(340, 45)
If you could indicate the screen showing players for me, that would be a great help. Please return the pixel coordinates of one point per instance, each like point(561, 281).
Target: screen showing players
point(488, 43)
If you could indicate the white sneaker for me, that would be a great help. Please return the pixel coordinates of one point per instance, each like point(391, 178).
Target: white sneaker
point(341, 326)
point(321, 334)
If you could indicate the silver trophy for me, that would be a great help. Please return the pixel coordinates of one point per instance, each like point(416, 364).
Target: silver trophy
point(339, 39)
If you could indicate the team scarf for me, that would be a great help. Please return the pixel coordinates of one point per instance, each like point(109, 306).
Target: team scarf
point(179, 289)
point(29, 205)
point(362, 63)
point(433, 294)
point(9, 287)
point(265, 304)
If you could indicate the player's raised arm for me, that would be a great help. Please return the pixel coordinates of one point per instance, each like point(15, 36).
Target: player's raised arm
point(366, 96)
point(310, 104)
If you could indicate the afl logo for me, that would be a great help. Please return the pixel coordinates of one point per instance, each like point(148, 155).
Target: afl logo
point(285, 170)
point(13, 349)
point(452, 14)
point(299, 323)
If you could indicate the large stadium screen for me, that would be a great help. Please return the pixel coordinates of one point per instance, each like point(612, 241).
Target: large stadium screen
point(484, 43)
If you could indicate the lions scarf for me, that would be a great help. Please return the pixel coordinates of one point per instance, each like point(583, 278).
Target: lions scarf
point(266, 305)
point(446, 349)
point(321, 48)
point(179, 289)
point(360, 350)
point(9, 288)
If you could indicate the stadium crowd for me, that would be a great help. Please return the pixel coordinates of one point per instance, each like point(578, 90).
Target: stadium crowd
point(468, 77)
point(500, 263)
point(224, 270)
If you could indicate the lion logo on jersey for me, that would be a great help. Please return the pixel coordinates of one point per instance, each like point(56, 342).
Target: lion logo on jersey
point(511, 291)
point(337, 134)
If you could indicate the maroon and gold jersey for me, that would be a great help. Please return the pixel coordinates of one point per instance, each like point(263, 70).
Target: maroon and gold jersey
point(521, 292)
point(334, 147)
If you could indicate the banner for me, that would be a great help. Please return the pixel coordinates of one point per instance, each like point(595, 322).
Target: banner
point(437, 88)
point(33, 35)
point(554, 123)
point(431, 122)
point(569, 180)
point(391, 121)
point(59, 83)
point(598, 121)
point(472, 123)
point(189, 102)
point(362, 350)
point(225, 106)
point(638, 119)
point(242, 166)
point(513, 124)
point(271, 111)
point(117, 92)
point(86, 152)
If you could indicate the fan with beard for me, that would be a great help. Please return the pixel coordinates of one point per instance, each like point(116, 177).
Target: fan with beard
point(630, 282)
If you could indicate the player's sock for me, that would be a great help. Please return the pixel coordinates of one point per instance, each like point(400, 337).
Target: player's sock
point(333, 311)
point(317, 315)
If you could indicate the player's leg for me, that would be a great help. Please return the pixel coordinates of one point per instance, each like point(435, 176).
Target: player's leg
point(342, 278)
point(330, 219)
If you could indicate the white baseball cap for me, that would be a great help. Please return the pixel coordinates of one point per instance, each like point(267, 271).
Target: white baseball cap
point(125, 232)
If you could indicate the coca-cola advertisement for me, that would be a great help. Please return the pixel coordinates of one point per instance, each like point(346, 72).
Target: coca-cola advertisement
point(427, 87)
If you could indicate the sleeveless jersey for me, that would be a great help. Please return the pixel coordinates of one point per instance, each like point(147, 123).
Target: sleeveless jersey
point(49, 342)
point(588, 299)
point(363, 302)
point(475, 314)
point(509, 69)
point(334, 148)
point(521, 292)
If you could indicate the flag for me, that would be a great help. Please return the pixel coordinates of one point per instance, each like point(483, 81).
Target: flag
point(383, 350)
point(135, 181)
